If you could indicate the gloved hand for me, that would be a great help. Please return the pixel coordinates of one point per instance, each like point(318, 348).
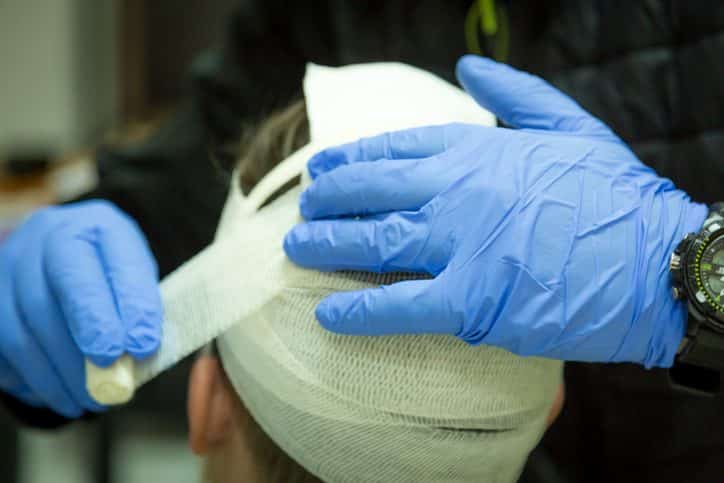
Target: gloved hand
point(551, 239)
point(75, 281)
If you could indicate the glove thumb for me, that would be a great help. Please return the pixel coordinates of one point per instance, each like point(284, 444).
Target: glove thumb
point(525, 101)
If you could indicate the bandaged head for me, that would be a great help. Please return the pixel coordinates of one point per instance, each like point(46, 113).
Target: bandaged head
point(397, 408)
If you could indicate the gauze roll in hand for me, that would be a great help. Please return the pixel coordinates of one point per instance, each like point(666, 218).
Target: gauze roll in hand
point(76, 281)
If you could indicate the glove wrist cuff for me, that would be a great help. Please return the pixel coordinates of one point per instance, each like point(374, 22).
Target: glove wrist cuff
point(669, 326)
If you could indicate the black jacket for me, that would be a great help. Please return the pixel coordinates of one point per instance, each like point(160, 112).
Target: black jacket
point(650, 69)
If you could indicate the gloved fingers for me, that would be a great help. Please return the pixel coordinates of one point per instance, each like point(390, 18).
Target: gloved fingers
point(107, 284)
point(27, 372)
point(133, 276)
point(376, 187)
point(421, 142)
point(523, 100)
point(387, 243)
point(26, 396)
point(9, 380)
point(42, 377)
point(43, 318)
point(12, 384)
point(76, 275)
point(27, 359)
point(410, 307)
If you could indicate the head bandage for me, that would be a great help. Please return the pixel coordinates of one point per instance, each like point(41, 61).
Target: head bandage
point(403, 408)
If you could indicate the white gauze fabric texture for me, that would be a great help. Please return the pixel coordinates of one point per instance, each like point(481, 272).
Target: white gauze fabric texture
point(351, 409)
point(363, 409)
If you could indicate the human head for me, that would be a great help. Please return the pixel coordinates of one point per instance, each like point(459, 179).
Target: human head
point(238, 450)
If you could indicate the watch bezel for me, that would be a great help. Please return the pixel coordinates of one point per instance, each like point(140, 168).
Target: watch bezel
point(711, 312)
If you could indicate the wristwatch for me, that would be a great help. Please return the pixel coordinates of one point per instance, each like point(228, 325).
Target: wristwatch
point(697, 273)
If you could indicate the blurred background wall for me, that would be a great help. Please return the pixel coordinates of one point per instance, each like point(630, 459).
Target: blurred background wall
point(72, 69)
point(60, 74)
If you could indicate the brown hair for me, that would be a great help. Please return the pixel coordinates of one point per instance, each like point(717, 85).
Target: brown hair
point(262, 149)
point(276, 138)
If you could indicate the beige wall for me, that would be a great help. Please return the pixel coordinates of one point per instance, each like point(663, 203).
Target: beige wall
point(57, 72)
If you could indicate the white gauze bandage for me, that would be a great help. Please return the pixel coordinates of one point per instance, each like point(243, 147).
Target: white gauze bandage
point(358, 409)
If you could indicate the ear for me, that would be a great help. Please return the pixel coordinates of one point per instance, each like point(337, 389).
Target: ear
point(557, 405)
point(210, 405)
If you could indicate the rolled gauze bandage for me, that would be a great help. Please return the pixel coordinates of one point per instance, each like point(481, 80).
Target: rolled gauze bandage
point(228, 281)
point(111, 385)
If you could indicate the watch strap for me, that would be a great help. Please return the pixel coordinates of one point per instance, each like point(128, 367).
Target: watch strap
point(703, 347)
point(698, 365)
point(696, 380)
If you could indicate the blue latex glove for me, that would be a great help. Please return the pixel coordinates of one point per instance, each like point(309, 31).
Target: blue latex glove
point(75, 281)
point(551, 239)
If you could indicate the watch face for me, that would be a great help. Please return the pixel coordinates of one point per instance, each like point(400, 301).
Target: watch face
point(710, 272)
